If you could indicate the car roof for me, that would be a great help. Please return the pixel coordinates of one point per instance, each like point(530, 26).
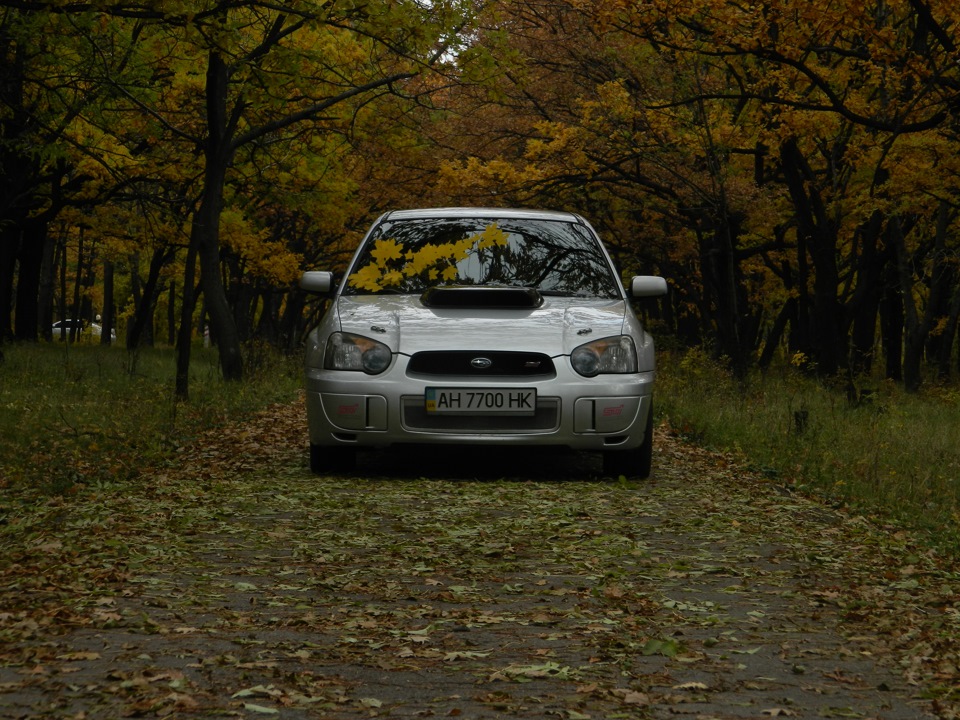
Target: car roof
point(483, 212)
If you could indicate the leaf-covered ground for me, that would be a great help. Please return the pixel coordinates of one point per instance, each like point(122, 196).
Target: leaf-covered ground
point(464, 584)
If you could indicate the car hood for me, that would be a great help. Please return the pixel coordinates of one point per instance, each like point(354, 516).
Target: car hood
point(555, 328)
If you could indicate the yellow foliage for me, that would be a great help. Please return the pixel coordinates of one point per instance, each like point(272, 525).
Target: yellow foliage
point(432, 260)
point(264, 258)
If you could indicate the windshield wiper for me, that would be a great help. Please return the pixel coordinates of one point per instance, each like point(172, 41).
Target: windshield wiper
point(562, 293)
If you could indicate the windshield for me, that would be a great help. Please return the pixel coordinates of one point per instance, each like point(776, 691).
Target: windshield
point(409, 256)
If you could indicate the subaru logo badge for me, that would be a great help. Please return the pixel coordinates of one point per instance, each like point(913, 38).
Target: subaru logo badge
point(481, 363)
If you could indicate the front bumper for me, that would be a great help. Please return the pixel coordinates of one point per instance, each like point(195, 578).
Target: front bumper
point(354, 409)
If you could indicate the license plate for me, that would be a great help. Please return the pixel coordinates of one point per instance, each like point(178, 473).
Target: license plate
point(482, 401)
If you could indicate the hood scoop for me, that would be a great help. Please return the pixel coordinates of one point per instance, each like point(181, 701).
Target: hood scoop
point(469, 296)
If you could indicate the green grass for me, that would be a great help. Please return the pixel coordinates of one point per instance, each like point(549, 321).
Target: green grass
point(888, 454)
point(75, 415)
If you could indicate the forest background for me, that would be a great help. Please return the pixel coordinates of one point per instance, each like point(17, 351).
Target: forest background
point(790, 168)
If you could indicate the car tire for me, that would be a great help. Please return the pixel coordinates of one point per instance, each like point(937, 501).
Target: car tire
point(637, 462)
point(332, 458)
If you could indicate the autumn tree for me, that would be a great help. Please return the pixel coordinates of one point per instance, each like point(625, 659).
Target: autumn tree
point(841, 90)
point(43, 88)
point(214, 81)
point(790, 168)
point(774, 142)
point(591, 119)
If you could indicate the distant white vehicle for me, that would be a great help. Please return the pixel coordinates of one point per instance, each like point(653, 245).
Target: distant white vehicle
point(62, 328)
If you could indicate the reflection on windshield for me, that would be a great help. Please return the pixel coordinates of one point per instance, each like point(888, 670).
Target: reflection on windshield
point(408, 256)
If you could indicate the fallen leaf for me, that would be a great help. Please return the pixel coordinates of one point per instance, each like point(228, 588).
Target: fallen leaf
point(258, 691)
point(691, 686)
point(260, 709)
point(633, 697)
point(464, 655)
point(74, 656)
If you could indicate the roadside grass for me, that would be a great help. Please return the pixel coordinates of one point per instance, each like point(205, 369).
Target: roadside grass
point(883, 452)
point(75, 415)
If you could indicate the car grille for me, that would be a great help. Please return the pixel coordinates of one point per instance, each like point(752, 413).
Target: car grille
point(460, 362)
point(545, 419)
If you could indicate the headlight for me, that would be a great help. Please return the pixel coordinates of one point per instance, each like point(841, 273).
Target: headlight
point(355, 352)
point(608, 355)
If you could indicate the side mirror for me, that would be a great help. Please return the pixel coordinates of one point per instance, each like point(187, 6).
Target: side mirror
point(317, 281)
point(643, 286)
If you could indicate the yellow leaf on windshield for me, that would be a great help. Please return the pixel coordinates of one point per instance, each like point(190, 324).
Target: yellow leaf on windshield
point(367, 278)
point(386, 250)
point(392, 278)
point(491, 236)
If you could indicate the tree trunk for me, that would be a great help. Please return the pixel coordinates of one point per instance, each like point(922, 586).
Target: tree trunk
point(914, 337)
point(865, 305)
point(141, 326)
point(718, 265)
point(243, 301)
point(33, 239)
point(172, 314)
point(87, 271)
point(788, 313)
point(185, 334)
point(205, 229)
point(800, 330)
point(291, 321)
point(77, 282)
point(912, 360)
point(48, 282)
point(891, 323)
point(61, 270)
point(917, 327)
point(107, 318)
point(9, 249)
point(815, 229)
point(943, 280)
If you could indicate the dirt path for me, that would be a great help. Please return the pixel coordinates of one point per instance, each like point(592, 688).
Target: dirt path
point(235, 584)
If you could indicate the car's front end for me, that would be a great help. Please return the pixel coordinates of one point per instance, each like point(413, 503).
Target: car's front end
point(452, 360)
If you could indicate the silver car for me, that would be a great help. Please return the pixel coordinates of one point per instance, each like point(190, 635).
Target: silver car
point(481, 327)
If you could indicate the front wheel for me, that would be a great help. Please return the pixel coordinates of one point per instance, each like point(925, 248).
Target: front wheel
point(637, 462)
point(332, 458)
